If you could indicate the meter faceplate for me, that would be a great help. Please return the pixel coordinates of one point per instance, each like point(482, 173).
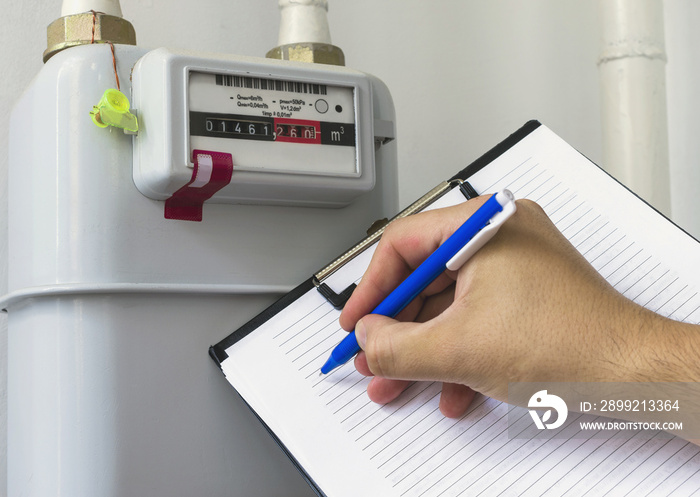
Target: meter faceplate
point(297, 133)
point(268, 124)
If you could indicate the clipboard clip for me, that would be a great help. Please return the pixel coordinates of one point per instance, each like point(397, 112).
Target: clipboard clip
point(337, 300)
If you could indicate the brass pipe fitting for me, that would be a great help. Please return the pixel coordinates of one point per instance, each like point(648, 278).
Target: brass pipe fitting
point(86, 28)
point(320, 53)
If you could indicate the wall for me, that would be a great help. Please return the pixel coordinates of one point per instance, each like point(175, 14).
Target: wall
point(464, 74)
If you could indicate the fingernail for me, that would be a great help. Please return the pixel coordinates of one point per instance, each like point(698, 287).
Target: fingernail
point(361, 334)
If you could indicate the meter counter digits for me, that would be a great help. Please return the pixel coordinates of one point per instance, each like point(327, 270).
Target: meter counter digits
point(296, 134)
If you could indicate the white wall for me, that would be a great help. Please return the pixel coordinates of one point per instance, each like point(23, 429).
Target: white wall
point(464, 74)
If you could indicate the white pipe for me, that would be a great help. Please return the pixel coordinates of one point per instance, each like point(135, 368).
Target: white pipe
point(633, 91)
point(304, 21)
point(110, 7)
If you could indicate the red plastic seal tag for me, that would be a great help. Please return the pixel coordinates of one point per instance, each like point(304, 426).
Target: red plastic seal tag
point(212, 172)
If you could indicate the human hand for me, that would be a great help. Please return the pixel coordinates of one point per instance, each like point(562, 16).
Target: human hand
point(526, 307)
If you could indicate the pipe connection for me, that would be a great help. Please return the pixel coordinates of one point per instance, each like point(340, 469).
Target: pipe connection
point(304, 34)
point(85, 28)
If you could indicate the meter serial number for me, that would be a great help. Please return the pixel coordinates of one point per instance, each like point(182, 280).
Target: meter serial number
point(606, 405)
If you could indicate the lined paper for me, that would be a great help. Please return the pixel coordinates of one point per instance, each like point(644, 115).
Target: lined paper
point(351, 446)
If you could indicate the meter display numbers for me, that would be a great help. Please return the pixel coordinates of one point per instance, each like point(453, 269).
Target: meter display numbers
point(297, 131)
point(271, 129)
point(242, 128)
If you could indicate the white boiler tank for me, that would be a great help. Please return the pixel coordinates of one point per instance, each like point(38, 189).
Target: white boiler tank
point(112, 306)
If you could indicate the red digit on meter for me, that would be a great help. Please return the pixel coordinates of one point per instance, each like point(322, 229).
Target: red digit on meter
point(297, 131)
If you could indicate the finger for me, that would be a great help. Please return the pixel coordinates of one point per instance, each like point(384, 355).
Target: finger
point(429, 308)
point(422, 307)
point(404, 246)
point(383, 390)
point(380, 390)
point(455, 399)
point(410, 351)
point(435, 305)
point(361, 364)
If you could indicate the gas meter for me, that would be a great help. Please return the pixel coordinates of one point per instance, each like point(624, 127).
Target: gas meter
point(283, 133)
point(112, 305)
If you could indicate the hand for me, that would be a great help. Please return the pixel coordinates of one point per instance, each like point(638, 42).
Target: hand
point(526, 307)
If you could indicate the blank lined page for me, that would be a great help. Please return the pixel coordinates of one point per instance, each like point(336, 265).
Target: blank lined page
point(350, 446)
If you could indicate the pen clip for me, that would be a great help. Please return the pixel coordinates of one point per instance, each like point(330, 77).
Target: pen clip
point(483, 236)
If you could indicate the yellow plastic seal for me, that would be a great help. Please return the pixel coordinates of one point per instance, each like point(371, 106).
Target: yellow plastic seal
point(113, 110)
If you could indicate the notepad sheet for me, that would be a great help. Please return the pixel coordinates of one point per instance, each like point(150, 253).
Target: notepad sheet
point(350, 446)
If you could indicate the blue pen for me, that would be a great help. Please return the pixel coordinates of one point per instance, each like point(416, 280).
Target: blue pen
point(452, 254)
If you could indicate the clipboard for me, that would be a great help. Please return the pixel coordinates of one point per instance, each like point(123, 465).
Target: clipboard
point(524, 157)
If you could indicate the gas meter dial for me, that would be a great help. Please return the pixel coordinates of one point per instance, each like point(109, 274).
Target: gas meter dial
point(296, 133)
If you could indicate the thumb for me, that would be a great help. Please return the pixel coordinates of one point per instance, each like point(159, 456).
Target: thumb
point(396, 349)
